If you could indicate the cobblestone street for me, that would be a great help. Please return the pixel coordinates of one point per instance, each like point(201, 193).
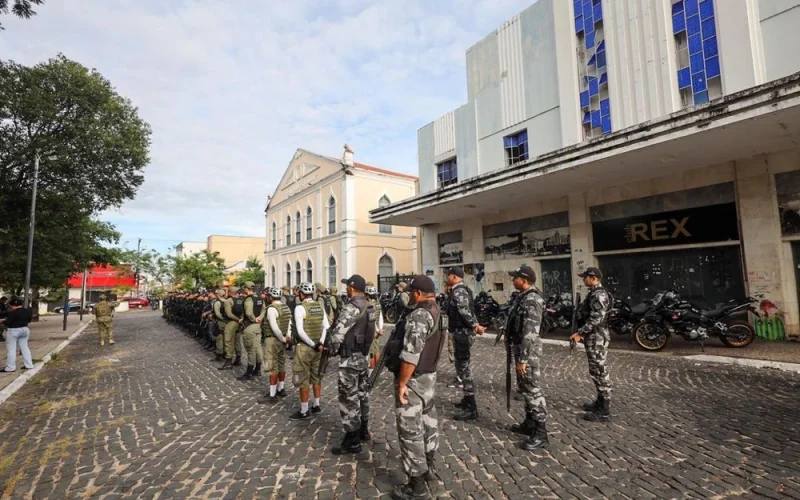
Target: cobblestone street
point(152, 417)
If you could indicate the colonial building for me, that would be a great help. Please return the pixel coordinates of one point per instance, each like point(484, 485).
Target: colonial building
point(657, 140)
point(318, 228)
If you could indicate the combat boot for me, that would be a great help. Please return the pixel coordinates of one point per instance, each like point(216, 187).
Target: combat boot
point(538, 439)
point(364, 434)
point(218, 357)
point(257, 370)
point(463, 403)
point(350, 444)
point(469, 412)
point(430, 474)
point(237, 361)
point(416, 489)
point(592, 407)
point(248, 374)
point(601, 414)
point(226, 365)
point(526, 427)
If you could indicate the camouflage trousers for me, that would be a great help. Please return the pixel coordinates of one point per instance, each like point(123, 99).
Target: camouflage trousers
point(251, 337)
point(105, 328)
point(531, 386)
point(417, 426)
point(353, 395)
point(462, 343)
point(596, 344)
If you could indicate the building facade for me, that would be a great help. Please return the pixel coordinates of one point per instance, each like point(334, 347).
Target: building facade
point(318, 228)
point(656, 139)
point(186, 248)
point(235, 250)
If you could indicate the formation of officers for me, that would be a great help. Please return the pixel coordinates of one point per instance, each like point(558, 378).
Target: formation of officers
point(258, 329)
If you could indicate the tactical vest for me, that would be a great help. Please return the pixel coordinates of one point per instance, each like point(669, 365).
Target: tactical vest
point(585, 309)
point(312, 323)
point(238, 306)
point(326, 303)
point(284, 317)
point(429, 358)
point(376, 305)
point(516, 317)
point(359, 338)
point(258, 304)
point(456, 321)
point(221, 315)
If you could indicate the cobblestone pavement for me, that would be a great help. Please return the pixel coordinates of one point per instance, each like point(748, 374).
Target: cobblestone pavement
point(152, 417)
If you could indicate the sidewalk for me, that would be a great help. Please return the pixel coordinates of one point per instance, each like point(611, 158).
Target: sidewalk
point(46, 335)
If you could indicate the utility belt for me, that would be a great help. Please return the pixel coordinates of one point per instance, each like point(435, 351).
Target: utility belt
point(346, 351)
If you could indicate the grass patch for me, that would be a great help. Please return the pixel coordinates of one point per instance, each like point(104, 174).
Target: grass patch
point(40, 381)
point(55, 357)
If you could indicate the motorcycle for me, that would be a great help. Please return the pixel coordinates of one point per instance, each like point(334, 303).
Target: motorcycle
point(486, 308)
point(557, 312)
point(668, 314)
point(623, 318)
point(388, 307)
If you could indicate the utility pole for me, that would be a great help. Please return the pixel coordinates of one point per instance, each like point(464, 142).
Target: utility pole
point(83, 295)
point(26, 301)
point(138, 260)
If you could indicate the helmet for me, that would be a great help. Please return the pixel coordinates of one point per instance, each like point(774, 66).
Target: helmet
point(370, 290)
point(306, 288)
point(274, 292)
point(103, 296)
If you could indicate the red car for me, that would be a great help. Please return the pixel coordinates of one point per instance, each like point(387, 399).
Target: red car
point(137, 303)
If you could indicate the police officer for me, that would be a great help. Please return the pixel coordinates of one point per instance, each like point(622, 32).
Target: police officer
point(402, 302)
point(104, 315)
point(233, 307)
point(219, 318)
point(335, 303)
point(461, 315)
point(276, 329)
point(524, 324)
point(594, 334)
point(351, 339)
point(208, 320)
point(412, 355)
point(253, 315)
point(375, 348)
point(312, 326)
point(324, 300)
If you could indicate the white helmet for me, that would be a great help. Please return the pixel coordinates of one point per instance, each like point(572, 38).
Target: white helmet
point(307, 289)
point(274, 292)
point(370, 290)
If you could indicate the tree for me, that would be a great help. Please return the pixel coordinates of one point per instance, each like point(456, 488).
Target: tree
point(253, 271)
point(93, 148)
point(21, 8)
point(200, 270)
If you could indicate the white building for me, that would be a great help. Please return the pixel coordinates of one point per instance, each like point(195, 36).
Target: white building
point(187, 248)
point(658, 139)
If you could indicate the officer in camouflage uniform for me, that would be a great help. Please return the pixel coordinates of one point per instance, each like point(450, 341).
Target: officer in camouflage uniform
point(219, 318)
point(352, 336)
point(231, 327)
point(277, 330)
point(523, 327)
point(412, 355)
point(312, 327)
point(594, 334)
point(104, 315)
point(402, 299)
point(254, 311)
point(375, 348)
point(464, 325)
point(324, 300)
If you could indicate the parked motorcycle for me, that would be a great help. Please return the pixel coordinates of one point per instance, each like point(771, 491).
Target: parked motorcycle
point(486, 308)
point(669, 314)
point(623, 318)
point(388, 307)
point(558, 312)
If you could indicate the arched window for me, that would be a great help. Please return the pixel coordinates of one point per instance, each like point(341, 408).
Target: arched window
point(331, 215)
point(331, 271)
point(298, 273)
point(272, 277)
point(297, 227)
point(309, 224)
point(288, 274)
point(288, 230)
point(384, 228)
point(309, 271)
point(274, 236)
point(385, 266)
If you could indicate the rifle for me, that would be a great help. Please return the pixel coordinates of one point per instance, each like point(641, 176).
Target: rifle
point(501, 332)
point(326, 354)
point(574, 326)
point(373, 379)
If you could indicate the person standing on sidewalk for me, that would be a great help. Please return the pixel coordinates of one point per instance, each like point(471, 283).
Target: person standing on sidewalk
point(104, 314)
point(17, 320)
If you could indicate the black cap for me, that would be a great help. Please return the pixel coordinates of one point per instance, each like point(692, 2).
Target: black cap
point(456, 271)
point(592, 271)
point(422, 283)
point(524, 272)
point(357, 282)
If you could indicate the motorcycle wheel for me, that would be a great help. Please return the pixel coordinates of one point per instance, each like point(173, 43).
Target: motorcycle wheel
point(741, 334)
point(651, 337)
point(548, 325)
point(390, 316)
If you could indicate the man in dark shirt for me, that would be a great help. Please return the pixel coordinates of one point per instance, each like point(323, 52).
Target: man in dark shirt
point(17, 320)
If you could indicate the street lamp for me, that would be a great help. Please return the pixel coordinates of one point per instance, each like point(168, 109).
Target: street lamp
point(26, 300)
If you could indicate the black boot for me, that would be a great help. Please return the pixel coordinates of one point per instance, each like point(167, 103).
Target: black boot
point(350, 444)
point(226, 365)
point(218, 357)
point(257, 370)
point(469, 412)
point(363, 433)
point(430, 475)
point(248, 374)
point(416, 489)
point(538, 439)
point(237, 361)
point(463, 403)
point(526, 427)
point(592, 407)
point(601, 414)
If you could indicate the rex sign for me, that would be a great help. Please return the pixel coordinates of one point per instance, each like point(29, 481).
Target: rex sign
point(679, 227)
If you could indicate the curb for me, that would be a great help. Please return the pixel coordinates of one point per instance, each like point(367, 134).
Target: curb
point(754, 363)
point(17, 384)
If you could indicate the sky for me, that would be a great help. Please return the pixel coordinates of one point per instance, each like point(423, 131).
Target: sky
point(231, 88)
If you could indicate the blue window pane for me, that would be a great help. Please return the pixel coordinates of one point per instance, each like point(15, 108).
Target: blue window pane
point(605, 107)
point(678, 23)
point(590, 40)
point(691, 7)
point(695, 44)
point(598, 13)
point(577, 6)
point(587, 10)
point(601, 45)
point(596, 119)
point(523, 136)
point(696, 63)
point(712, 67)
point(677, 7)
point(592, 60)
point(593, 87)
point(601, 59)
point(579, 24)
point(588, 25)
point(709, 28)
point(700, 98)
point(710, 47)
point(693, 25)
point(606, 124)
point(707, 9)
point(585, 99)
point(684, 78)
point(604, 79)
point(508, 142)
point(587, 118)
point(699, 82)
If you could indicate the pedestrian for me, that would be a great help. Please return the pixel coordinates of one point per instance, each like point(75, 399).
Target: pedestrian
point(463, 324)
point(312, 326)
point(104, 315)
point(595, 336)
point(253, 316)
point(16, 319)
point(523, 329)
point(413, 355)
point(351, 339)
point(278, 332)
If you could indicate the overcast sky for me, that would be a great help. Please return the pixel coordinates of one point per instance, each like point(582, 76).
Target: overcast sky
point(232, 87)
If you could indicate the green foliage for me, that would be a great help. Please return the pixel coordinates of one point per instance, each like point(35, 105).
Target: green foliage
point(151, 264)
point(253, 271)
point(21, 8)
point(200, 270)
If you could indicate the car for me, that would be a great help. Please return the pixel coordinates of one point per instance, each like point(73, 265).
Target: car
point(137, 302)
point(73, 307)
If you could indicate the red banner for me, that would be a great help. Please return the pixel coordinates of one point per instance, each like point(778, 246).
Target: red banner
point(104, 277)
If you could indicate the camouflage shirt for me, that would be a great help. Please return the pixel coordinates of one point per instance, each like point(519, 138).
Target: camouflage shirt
point(104, 309)
point(347, 319)
point(419, 327)
point(596, 307)
point(531, 307)
point(460, 295)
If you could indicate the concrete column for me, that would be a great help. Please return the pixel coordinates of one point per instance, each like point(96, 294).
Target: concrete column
point(580, 232)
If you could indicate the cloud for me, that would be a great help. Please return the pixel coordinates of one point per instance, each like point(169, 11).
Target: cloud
point(231, 89)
